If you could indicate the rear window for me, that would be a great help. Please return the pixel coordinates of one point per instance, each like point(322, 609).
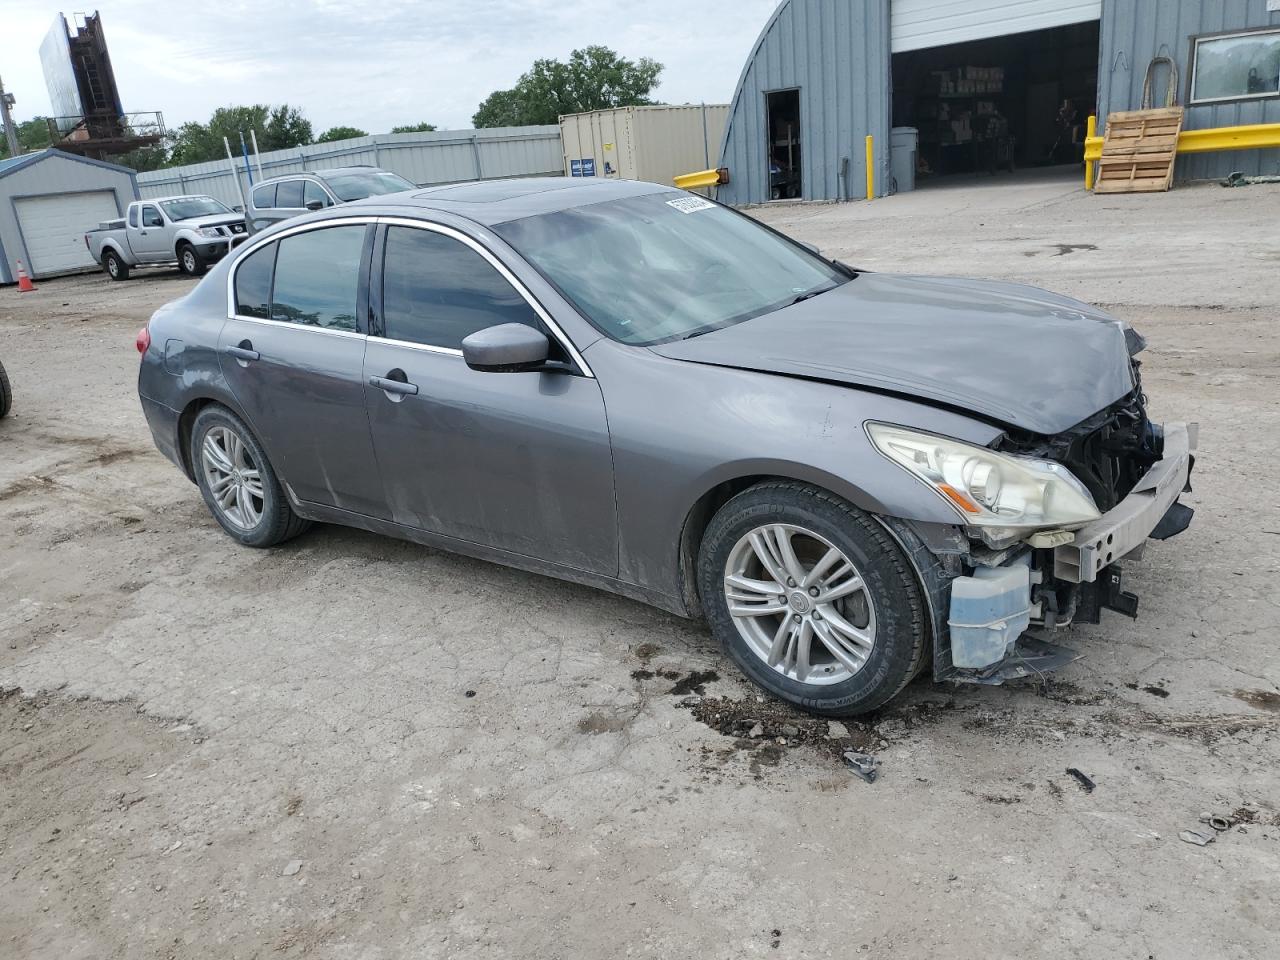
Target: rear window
point(289, 194)
point(253, 283)
point(264, 198)
point(317, 277)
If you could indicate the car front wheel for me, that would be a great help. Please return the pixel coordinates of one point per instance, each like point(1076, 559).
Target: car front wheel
point(813, 598)
point(190, 262)
point(238, 483)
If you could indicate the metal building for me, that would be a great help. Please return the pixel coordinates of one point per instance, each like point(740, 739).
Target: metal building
point(48, 200)
point(986, 85)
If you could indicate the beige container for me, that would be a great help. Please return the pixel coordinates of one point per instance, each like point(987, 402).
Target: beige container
point(643, 143)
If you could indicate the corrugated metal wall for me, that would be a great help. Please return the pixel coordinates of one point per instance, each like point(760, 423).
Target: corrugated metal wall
point(918, 24)
point(837, 54)
point(1134, 31)
point(56, 173)
point(446, 156)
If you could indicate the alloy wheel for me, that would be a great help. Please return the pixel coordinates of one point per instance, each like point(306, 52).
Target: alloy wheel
point(189, 260)
point(233, 477)
point(800, 604)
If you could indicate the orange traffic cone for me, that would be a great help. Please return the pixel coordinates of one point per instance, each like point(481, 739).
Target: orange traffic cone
point(24, 282)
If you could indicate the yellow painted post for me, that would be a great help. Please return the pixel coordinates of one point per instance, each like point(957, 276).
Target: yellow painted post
point(871, 168)
point(1091, 131)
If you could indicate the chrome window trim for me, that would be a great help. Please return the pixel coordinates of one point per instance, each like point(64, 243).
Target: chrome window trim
point(247, 248)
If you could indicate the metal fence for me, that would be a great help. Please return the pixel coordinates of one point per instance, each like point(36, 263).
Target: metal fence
point(445, 156)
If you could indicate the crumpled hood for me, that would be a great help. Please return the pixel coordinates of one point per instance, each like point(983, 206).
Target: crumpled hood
point(1011, 353)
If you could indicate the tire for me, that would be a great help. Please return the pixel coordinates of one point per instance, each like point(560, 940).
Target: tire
point(6, 393)
point(882, 603)
point(268, 519)
point(190, 262)
point(116, 268)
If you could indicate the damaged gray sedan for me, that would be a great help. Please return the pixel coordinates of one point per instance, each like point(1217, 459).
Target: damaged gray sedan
point(852, 476)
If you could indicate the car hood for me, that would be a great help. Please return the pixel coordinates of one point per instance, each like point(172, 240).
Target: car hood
point(1011, 353)
point(212, 220)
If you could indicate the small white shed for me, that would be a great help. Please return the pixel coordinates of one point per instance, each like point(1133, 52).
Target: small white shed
point(48, 201)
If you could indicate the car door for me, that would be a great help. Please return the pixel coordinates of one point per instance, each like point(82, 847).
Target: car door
point(516, 461)
point(289, 200)
point(150, 242)
point(262, 204)
point(292, 352)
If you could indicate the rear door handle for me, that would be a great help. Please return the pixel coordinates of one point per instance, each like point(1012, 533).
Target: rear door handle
point(394, 386)
point(244, 352)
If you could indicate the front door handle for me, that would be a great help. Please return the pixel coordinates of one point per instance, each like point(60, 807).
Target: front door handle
point(244, 351)
point(394, 384)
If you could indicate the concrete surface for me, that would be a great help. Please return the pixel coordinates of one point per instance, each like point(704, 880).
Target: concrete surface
point(357, 748)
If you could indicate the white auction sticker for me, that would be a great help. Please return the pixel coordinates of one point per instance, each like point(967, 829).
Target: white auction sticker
point(690, 204)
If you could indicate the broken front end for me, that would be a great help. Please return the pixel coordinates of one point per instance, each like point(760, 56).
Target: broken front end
point(1078, 505)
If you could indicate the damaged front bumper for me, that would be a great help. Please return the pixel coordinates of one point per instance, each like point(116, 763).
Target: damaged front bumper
point(998, 615)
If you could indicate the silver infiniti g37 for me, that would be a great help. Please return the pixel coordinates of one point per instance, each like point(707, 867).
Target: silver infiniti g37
point(851, 476)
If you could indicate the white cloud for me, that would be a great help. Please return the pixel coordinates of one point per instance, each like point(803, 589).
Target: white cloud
point(374, 65)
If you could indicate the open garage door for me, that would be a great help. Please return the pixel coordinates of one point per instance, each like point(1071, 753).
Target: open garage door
point(918, 24)
point(53, 229)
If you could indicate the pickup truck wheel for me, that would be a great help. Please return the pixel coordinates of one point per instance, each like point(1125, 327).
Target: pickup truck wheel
point(189, 261)
point(116, 268)
point(6, 392)
point(238, 483)
point(813, 598)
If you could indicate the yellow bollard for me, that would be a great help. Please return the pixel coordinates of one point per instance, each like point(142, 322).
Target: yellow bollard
point(871, 168)
point(1091, 131)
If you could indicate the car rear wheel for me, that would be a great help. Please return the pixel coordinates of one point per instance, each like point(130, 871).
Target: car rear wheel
point(6, 393)
point(812, 598)
point(116, 268)
point(238, 483)
point(189, 261)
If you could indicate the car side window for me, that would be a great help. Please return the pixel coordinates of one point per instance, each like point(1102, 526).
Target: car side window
point(317, 277)
point(289, 194)
point(151, 217)
point(436, 290)
point(314, 193)
point(253, 283)
point(133, 216)
point(264, 198)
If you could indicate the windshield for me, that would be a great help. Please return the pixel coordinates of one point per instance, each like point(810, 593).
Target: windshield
point(667, 266)
point(185, 208)
point(357, 186)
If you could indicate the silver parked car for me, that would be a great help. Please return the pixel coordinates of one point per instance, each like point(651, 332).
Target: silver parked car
point(281, 198)
point(852, 476)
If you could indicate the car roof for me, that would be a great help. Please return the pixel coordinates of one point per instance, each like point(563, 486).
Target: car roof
point(322, 174)
point(491, 202)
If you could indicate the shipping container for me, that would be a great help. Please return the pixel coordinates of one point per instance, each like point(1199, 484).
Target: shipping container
point(654, 143)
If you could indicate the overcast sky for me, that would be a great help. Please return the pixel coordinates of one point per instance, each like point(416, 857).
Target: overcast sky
point(374, 65)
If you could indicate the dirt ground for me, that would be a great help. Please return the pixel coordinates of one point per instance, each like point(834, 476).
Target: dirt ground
point(360, 749)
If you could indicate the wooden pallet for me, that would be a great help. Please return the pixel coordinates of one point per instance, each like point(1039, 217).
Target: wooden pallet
point(1139, 151)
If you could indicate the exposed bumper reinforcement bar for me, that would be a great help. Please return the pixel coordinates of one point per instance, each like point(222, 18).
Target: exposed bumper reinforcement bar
point(1125, 528)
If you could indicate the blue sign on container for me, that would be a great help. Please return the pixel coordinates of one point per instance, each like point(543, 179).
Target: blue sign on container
point(575, 168)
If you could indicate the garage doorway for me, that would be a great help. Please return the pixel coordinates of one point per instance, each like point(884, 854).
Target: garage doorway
point(782, 129)
point(994, 105)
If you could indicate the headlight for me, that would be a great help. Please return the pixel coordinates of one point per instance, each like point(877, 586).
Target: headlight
point(211, 232)
point(989, 489)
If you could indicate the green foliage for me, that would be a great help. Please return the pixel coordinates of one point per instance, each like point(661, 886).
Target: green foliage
point(414, 128)
point(340, 133)
point(277, 127)
point(33, 135)
point(144, 158)
point(595, 78)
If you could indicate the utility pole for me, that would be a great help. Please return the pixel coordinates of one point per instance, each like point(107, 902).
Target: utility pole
point(10, 131)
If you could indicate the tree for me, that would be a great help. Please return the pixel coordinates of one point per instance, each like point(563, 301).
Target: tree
point(33, 135)
point(595, 78)
point(414, 128)
point(277, 128)
point(341, 133)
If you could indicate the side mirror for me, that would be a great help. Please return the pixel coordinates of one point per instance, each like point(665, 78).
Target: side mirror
point(238, 209)
point(506, 348)
point(315, 205)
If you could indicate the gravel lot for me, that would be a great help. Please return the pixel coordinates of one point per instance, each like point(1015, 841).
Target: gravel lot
point(351, 747)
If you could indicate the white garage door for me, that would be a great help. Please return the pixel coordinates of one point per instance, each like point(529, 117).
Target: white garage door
point(53, 229)
point(917, 24)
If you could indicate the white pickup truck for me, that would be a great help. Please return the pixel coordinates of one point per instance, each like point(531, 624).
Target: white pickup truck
point(191, 232)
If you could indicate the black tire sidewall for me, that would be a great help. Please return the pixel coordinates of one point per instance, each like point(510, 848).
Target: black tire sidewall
point(901, 623)
point(276, 513)
point(6, 393)
point(119, 272)
point(198, 267)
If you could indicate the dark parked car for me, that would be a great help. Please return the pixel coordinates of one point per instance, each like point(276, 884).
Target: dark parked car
point(285, 197)
point(850, 475)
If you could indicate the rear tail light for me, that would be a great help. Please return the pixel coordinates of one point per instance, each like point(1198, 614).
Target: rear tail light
point(143, 340)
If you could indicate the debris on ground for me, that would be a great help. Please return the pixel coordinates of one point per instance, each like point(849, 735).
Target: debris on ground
point(290, 868)
point(1238, 179)
point(1198, 837)
point(1086, 784)
point(836, 730)
point(862, 765)
point(1219, 823)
